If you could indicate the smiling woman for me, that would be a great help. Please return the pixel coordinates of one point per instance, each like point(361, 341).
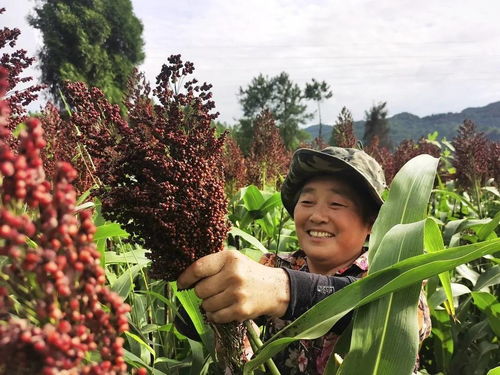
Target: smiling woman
point(334, 197)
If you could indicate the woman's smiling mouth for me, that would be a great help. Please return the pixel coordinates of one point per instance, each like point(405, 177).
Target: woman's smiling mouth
point(319, 234)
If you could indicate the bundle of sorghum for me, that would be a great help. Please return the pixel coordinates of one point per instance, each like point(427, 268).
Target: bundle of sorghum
point(54, 308)
point(162, 177)
point(268, 159)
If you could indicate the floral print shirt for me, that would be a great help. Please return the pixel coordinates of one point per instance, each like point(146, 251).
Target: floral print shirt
point(311, 356)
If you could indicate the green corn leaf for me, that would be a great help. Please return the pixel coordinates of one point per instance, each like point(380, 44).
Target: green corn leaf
point(494, 371)
point(109, 230)
point(378, 324)
point(319, 319)
point(198, 359)
point(489, 304)
point(191, 304)
point(252, 198)
point(272, 202)
point(433, 241)
point(129, 257)
point(249, 238)
point(134, 360)
point(488, 278)
point(141, 342)
point(407, 200)
point(440, 296)
point(123, 284)
point(487, 229)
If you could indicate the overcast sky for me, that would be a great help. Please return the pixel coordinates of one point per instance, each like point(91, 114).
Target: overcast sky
point(422, 57)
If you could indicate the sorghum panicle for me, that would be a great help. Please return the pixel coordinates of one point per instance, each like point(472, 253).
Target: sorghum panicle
point(383, 156)
point(63, 311)
point(268, 159)
point(234, 166)
point(472, 158)
point(343, 131)
point(408, 149)
point(163, 180)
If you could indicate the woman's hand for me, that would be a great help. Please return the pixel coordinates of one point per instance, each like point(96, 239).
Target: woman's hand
point(235, 288)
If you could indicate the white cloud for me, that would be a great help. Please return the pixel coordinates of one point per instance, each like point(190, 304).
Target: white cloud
point(422, 57)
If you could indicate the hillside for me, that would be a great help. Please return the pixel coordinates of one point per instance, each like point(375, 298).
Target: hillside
point(408, 126)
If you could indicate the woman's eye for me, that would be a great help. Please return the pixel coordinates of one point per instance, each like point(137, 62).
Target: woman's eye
point(337, 204)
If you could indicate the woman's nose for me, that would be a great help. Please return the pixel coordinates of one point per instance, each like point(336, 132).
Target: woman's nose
point(319, 215)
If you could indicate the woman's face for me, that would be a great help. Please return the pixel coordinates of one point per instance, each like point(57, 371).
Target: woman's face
point(329, 225)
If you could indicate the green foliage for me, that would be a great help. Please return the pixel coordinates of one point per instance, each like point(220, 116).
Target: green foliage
point(98, 42)
point(283, 98)
point(260, 223)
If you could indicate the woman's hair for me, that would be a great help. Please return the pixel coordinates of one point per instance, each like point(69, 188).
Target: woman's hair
point(368, 207)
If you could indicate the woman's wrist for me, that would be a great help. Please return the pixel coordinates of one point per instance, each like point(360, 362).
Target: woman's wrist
point(279, 293)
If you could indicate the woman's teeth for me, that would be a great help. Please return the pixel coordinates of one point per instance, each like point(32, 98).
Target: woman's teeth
point(314, 233)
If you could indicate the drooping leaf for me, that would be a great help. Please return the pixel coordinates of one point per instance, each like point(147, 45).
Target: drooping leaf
point(128, 257)
point(441, 296)
point(252, 198)
point(487, 229)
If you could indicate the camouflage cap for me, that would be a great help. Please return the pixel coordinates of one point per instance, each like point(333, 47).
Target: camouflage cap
point(307, 163)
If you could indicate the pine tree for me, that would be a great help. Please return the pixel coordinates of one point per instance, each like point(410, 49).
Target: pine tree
point(318, 91)
point(377, 126)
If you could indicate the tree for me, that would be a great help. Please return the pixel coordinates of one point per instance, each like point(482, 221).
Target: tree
point(280, 96)
point(98, 42)
point(377, 126)
point(342, 132)
point(318, 91)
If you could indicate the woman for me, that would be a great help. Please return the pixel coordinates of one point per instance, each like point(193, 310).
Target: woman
point(334, 196)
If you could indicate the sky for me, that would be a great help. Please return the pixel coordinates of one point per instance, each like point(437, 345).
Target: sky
point(423, 57)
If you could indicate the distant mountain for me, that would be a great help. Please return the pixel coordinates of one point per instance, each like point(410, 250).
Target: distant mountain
point(408, 126)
